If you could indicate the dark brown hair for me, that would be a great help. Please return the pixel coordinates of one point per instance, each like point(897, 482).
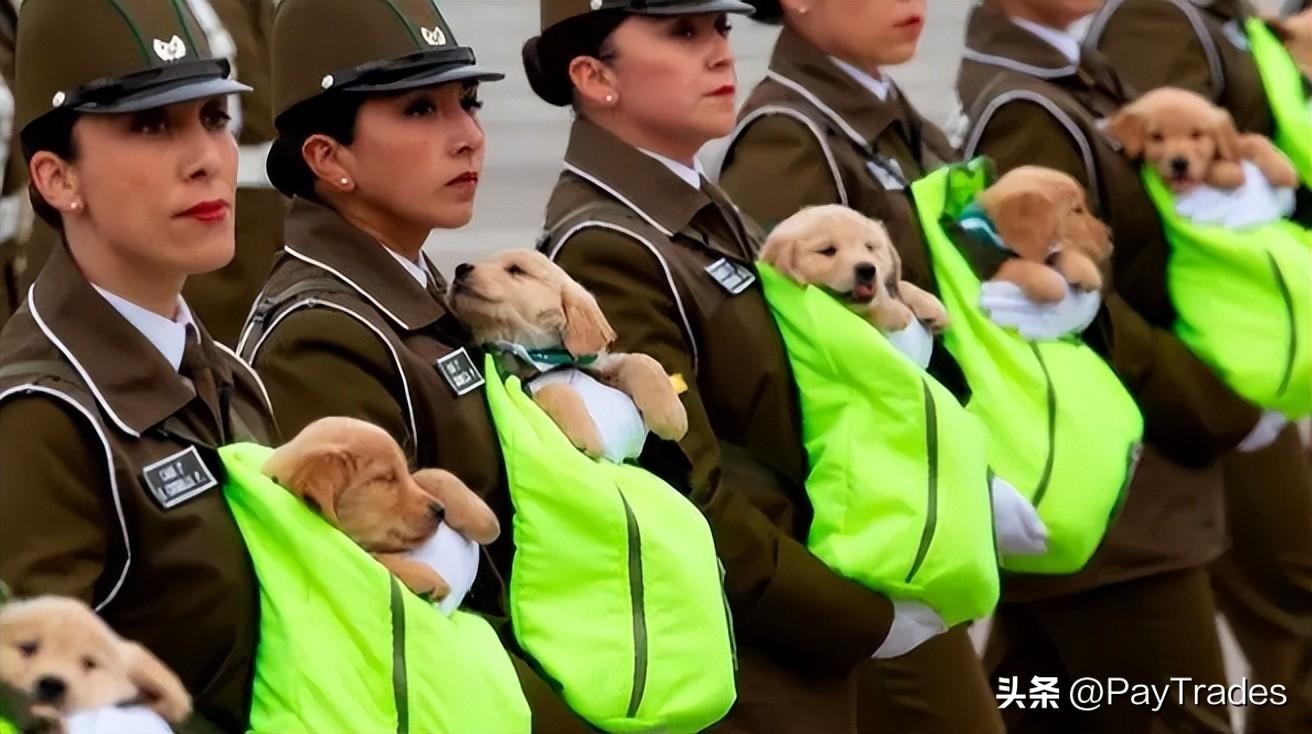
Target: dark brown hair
point(333, 115)
point(547, 57)
point(54, 133)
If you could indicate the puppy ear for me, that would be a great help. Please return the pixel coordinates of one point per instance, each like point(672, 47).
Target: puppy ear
point(1026, 221)
point(586, 329)
point(1226, 135)
point(318, 476)
point(780, 252)
point(1127, 128)
point(158, 688)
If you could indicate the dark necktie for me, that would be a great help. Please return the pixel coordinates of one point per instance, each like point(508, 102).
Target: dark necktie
point(196, 368)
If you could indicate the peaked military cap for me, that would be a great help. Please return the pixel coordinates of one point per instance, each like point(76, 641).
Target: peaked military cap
point(555, 11)
point(321, 46)
point(112, 56)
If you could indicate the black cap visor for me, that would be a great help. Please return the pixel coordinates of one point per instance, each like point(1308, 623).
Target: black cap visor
point(678, 7)
point(427, 69)
point(154, 88)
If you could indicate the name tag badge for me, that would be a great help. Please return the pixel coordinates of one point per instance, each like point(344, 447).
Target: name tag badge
point(459, 372)
point(731, 276)
point(178, 478)
point(888, 173)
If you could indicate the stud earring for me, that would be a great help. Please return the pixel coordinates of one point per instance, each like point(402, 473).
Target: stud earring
point(75, 205)
point(346, 181)
point(610, 99)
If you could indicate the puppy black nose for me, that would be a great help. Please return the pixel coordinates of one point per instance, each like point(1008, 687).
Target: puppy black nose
point(437, 511)
point(865, 273)
point(1179, 166)
point(463, 270)
point(50, 689)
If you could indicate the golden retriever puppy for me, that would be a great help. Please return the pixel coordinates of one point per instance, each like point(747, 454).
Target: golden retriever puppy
point(1043, 216)
point(355, 475)
point(64, 660)
point(521, 298)
point(1192, 142)
point(852, 257)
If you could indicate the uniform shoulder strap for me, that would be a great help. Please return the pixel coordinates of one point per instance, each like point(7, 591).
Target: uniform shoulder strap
point(1007, 88)
point(267, 307)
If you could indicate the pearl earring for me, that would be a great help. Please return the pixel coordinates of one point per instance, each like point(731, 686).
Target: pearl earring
point(610, 99)
point(346, 181)
point(75, 205)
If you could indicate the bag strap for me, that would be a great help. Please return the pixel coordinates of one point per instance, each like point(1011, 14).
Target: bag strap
point(268, 306)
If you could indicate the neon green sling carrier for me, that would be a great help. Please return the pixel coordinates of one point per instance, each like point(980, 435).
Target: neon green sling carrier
point(1287, 95)
point(899, 478)
point(344, 647)
point(1244, 302)
point(615, 589)
point(1061, 427)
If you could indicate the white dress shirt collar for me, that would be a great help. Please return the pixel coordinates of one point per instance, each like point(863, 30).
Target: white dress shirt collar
point(416, 270)
point(878, 86)
point(1066, 41)
point(691, 176)
point(169, 336)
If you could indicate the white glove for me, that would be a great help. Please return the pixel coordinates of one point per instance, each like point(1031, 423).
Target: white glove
point(1265, 433)
point(1008, 306)
point(115, 720)
point(913, 625)
point(915, 342)
point(1020, 531)
point(454, 557)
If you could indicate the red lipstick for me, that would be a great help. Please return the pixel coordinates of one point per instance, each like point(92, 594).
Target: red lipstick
point(209, 211)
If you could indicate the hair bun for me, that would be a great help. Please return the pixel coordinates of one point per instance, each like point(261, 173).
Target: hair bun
point(767, 11)
point(552, 86)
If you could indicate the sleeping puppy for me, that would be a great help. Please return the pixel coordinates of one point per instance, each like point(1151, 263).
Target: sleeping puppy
point(852, 257)
point(1043, 216)
point(1192, 142)
point(519, 302)
point(355, 475)
point(64, 660)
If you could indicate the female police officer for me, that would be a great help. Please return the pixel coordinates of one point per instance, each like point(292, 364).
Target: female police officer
point(378, 144)
point(669, 259)
point(112, 398)
point(1034, 96)
point(1263, 584)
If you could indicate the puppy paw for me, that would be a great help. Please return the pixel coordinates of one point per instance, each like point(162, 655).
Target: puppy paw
point(928, 309)
point(890, 314)
point(1037, 281)
point(1080, 272)
point(642, 378)
point(418, 577)
point(567, 410)
point(466, 512)
point(668, 419)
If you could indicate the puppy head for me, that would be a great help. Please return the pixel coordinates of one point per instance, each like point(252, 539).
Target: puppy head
point(520, 296)
point(355, 475)
point(838, 249)
point(65, 659)
point(1178, 132)
point(1039, 209)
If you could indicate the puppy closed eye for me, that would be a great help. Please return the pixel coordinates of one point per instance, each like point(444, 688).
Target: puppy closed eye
point(515, 271)
point(28, 649)
point(1156, 137)
point(1196, 135)
point(829, 251)
point(89, 664)
point(870, 247)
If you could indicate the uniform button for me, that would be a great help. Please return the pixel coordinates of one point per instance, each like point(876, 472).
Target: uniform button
point(58, 99)
point(327, 81)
